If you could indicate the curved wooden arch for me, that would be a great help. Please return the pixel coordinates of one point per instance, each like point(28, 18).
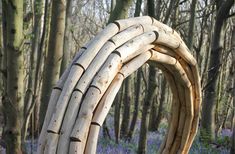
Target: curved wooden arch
point(83, 96)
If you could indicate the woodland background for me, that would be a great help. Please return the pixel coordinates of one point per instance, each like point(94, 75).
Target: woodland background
point(38, 39)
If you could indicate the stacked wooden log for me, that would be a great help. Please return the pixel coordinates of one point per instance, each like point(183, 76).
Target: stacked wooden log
point(83, 96)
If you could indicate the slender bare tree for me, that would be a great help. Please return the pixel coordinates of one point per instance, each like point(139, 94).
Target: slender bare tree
point(54, 54)
point(209, 100)
point(13, 101)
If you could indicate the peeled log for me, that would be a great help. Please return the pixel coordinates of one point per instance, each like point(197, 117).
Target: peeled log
point(104, 52)
point(84, 95)
point(92, 139)
point(51, 143)
point(52, 103)
point(105, 103)
point(98, 87)
point(124, 23)
point(128, 50)
point(101, 112)
point(76, 147)
point(68, 122)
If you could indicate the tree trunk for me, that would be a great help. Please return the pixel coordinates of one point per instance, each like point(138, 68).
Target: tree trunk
point(33, 86)
point(158, 9)
point(138, 84)
point(175, 16)
point(142, 146)
point(67, 37)
point(192, 25)
point(54, 54)
point(138, 8)
point(169, 11)
point(136, 105)
point(153, 113)
point(162, 100)
point(232, 150)
point(208, 128)
point(117, 112)
point(14, 98)
point(126, 108)
point(120, 11)
point(113, 4)
point(151, 8)
point(1, 66)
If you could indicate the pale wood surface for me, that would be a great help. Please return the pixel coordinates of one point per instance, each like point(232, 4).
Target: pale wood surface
point(80, 103)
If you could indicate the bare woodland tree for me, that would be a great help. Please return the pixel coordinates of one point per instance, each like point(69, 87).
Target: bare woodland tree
point(208, 128)
point(13, 100)
point(39, 37)
point(54, 54)
point(32, 92)
point(232, 150)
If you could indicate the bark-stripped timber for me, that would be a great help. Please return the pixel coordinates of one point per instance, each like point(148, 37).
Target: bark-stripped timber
point(77, 72)
point(186, 67)
point(79, 131)
point(92, 139)
point(165, 50)
point(101, 112)
point(65, 74)
point(77, 69)
point(174, 65)
point(51, 144)
point(175, 108)
point(43, 135)
point(182, 115)
point(97, 44)
point(76, 147)
point(188, 111)
point(86, 78)
point(99, 85)
point(68, 122)
point(135, 63)
point(57, 117)
point(178, 135)
point(189, 99)
point(128, 50)
point(127, 34)
point(197, 104)
point(173, 42)
point(174, 116)
point(104, 52)
point(169, 140)
point(111, 56)
point(191, 77)
point(170, 52)
point(52, 103)
point(188, 119)
point(105, 103)
point(124, 23)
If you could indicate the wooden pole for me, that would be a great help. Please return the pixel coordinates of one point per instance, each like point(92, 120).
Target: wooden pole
point(52, 103)
point(84, 95)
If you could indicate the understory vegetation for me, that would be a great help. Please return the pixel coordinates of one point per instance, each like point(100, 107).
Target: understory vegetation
point(107, 144)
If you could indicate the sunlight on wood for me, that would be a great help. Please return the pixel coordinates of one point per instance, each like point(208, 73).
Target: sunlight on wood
point(84, 94)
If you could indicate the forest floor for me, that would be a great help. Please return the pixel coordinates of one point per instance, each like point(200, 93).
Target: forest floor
point(109, 146)
point(154, 139)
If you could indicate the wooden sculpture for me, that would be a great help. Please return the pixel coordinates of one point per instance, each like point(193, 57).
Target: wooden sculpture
point(83, 96)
